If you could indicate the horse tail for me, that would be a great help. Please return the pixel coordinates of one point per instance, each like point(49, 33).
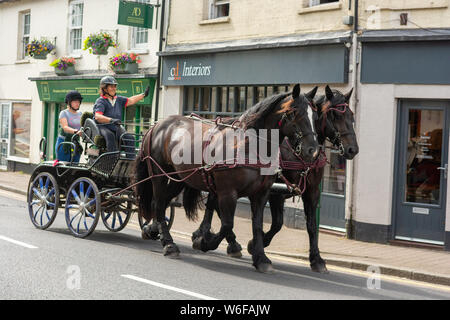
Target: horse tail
point(192, 201)
point(144, 190)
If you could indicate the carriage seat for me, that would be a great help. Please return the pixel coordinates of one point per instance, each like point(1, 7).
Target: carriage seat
point(91, 130)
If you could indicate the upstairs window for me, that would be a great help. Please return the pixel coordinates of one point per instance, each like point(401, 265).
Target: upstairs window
point(319, 2)
point(139, 36)
point(25, 18)
point(75, 26)
point(219, 8)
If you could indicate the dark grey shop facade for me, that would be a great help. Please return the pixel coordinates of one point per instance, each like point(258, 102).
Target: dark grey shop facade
point(225, 79)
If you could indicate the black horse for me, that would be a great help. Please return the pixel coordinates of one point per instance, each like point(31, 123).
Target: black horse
point(286, 113)
point(333, 121)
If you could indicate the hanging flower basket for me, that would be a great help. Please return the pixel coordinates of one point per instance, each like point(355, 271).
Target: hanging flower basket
point(124, 63)
point(38, 49)
point(98, 43)
point(64, 66)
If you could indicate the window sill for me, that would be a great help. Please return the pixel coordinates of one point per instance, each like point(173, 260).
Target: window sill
point(321, 7)
point(76, 55)
point(138, 51)
point(22, 61)
point(214, 21)
point(18, 159)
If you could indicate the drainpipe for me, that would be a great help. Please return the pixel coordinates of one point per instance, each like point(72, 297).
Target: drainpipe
point(350, 164)
point(158, 74)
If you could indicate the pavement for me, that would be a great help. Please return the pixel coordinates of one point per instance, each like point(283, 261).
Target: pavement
point(430, 265)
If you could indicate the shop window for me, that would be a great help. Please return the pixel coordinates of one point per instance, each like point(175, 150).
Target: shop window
point(319, 2)
point(20, 130)
point(219, 8)
point(139, 36)
point(210, 102)
point(25, 23)
point(75, 26)
point(334, 174)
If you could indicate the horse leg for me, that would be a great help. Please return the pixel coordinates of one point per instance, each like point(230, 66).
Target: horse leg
point(234, 248)
point(205, 227)
point(227, 206)
point(152, 231)
point(310, 201)
point(160, 192)
point(276, 209)
point(260, 260)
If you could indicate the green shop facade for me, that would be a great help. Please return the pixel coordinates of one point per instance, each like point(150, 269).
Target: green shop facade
point(52, 92)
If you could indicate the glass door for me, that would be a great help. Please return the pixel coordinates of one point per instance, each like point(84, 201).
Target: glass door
point(5, 113)
point(422, 174)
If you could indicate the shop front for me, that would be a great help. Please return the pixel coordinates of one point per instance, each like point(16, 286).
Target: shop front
point(226, 82)
point(52, 92)
point(410, 101)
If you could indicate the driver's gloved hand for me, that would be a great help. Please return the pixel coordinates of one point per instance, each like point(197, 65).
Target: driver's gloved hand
point(146, 91)
point(116, 121)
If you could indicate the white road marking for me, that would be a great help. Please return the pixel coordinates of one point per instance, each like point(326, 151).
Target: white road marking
point(160, 285)
point(23, 244)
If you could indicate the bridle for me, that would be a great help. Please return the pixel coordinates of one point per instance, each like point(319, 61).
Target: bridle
point(299, 135)
point(337, 135)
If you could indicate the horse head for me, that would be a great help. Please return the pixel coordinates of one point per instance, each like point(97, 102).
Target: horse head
point(296, 123)
point(334, 120)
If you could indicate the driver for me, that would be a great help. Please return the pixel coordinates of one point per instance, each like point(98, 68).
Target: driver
point(108, 111)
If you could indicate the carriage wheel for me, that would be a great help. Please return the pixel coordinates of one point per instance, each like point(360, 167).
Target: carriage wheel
point(169, 218)
point(83, 206)
point(115, 219)
point(43, 200)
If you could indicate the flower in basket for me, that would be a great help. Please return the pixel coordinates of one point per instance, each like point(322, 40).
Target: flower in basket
point(63, 63)
point(38, 47)
point(122, 59)
point(99, 42)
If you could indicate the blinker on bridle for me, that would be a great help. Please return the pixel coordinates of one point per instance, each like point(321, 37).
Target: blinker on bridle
point(337, 141)
point(299, 135)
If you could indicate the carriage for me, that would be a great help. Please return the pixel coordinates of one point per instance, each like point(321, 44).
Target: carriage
point(87, 191)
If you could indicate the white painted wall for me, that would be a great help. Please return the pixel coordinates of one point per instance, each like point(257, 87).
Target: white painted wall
point(374, 175)
point(49, 18)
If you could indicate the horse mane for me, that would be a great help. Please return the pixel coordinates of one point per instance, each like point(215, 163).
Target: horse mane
point(253, 117)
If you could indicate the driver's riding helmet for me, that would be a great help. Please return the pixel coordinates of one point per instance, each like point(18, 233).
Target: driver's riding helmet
point(107, 80)
point(72, 96)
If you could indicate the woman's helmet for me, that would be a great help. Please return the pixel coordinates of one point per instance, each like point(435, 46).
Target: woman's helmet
point(107, 80)
point(72, 96)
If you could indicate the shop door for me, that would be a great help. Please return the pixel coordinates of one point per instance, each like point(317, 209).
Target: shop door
point(5, 113)
point(332, 200)
point(422, 172)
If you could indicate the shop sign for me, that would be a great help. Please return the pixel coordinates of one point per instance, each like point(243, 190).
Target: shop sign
point(56, 90)
point(135, 14)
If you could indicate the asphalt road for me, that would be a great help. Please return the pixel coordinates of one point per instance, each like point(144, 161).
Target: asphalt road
point(52, 264)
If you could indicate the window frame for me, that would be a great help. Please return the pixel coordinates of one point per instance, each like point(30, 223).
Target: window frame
point(136, 30)
point(11, 157)
point(313, 3)
point(213, 8)
point(72, 28)
point(22, 35)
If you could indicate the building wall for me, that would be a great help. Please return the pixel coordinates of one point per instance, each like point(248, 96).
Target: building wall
point(251, 19)
point(272, 18)
point(49, 18)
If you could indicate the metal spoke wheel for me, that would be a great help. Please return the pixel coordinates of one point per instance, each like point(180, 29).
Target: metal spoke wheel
point(117, 217)
point(169, 218)
point(43, 200)
point(83, 207)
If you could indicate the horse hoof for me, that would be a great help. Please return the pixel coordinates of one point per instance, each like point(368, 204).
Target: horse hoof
point(149, 234)
point(197, 243)
point(250, 247)
point(265, 268)
point(195, 235)
point(319, 268)
point(144, 235)
point(171, 251)
point(234, 250)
